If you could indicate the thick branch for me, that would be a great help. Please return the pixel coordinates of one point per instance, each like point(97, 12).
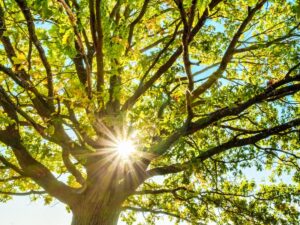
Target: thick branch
point(31, 29)
point(83, 73)
point(135, 22)
point(22, 193)
point(187, 129)
point(228, 53)
point(233, 143)
point(164, 68)
point(71, 167)
point(99, 47)
point(38, 172)
point(263, 45)
point(29, 166)
point(159, 191)
point(8, 164)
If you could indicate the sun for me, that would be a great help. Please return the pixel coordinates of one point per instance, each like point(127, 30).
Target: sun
point(125, 148)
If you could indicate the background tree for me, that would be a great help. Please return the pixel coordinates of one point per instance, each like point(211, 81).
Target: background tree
point(202, 89)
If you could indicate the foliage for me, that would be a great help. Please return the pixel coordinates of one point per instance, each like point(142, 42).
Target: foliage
point(208, 90)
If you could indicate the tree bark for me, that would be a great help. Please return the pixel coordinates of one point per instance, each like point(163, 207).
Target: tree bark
point(88, 215)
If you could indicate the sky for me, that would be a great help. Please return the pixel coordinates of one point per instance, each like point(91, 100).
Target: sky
point(20, 211)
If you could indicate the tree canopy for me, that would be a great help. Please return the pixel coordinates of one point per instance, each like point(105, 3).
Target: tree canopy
point(202, 93)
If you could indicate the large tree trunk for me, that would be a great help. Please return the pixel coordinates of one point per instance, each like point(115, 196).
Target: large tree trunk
point(107, 188)
point(88, 215)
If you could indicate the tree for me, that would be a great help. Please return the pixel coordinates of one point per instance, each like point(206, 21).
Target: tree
point(201, 89)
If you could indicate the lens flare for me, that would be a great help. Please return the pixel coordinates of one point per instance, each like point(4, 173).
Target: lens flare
point(125, 148)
